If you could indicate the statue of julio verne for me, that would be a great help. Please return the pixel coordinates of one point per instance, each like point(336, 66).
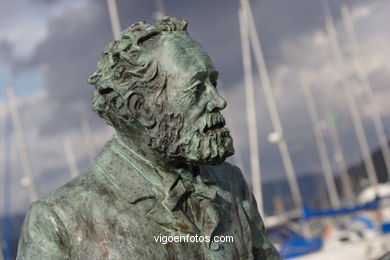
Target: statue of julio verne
point(160, 189)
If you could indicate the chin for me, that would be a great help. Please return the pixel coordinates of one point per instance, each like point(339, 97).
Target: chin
point(210, 148)
point(196, 147)
point(214, 160)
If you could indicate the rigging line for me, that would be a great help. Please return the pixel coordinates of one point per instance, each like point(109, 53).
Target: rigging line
point(362, 73)
point(21, 144)
point(351, 102)
point(114, 18)
point(251, 111)
point(272, 108)
point(320, 143)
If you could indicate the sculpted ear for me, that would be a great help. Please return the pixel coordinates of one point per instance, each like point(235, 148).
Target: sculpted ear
point(141, 110)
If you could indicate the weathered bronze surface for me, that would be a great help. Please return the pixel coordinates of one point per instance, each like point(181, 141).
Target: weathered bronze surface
point(163, 173)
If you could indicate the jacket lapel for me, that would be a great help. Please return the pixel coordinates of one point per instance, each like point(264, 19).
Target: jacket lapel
point(171, 220)
point(137, 182)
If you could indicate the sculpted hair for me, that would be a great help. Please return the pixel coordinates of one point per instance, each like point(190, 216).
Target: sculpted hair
point(126, 67)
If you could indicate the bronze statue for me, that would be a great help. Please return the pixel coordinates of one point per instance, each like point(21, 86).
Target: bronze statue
point(160, 189)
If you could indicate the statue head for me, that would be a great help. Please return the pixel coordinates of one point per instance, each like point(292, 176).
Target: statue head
point(157, 85)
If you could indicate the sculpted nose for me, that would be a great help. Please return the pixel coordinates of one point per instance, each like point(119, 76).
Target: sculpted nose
point(216, 102)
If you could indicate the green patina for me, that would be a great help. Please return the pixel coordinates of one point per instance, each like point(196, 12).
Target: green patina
point(163, 173)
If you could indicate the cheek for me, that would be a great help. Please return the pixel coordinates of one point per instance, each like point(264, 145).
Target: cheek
point(192, 117)
point(197, 109)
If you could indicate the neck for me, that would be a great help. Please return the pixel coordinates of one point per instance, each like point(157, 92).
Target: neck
point(140, 147)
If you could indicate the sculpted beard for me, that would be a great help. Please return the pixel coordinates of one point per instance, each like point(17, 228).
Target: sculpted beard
point(205, 142)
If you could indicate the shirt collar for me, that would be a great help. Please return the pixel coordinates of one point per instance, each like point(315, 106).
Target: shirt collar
point(139, 178)
point(130, 164)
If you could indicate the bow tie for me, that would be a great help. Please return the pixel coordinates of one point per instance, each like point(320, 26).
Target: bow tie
point(185, 187)
point(203, 193)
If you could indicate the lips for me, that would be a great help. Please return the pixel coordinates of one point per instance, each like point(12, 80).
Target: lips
point(212, 122)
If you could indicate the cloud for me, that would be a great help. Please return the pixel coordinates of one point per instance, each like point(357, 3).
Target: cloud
point(22, 24)
point(6, 51)
point(307, 58)
point(46, 152)
point(72, 36)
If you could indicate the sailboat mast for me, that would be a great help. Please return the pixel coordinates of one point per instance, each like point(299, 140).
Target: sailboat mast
point(251, 110)
point(340, 161)
point(160, 13)
point(357, 61)
point(114, 18)
point(320, 143)
point(88, 137)
point(70, 158)
point(357, 122)
point(116, 32)
point(21, 144)
point(271, 104)
point(2, 167)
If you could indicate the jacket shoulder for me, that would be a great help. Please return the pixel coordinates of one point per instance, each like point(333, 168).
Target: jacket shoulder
point(87, 183)
point(88, 192)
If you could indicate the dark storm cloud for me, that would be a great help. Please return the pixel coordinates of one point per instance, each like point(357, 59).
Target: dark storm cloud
point(215, 25)
point(69, 54)
point(45, 1)
point(77, 36)
point(6, 51)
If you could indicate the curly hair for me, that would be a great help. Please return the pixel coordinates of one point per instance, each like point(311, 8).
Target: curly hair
point(126, 66)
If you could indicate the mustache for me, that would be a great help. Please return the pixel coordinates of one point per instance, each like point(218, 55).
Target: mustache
point(211, 122)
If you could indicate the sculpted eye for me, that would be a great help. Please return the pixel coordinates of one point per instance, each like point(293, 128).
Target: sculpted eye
point(214, 82)
point(195, 91)
point(214, 78)
point(199, 90)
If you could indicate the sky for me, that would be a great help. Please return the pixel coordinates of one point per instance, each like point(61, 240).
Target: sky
point(48, 48)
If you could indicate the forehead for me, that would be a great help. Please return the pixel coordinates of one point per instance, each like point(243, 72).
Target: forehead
point(178, 54)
